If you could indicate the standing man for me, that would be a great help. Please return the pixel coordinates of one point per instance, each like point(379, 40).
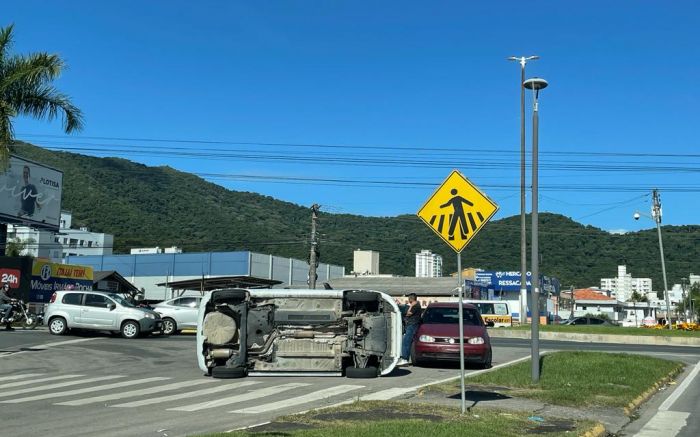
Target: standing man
point(29, 196)
point(411, 320)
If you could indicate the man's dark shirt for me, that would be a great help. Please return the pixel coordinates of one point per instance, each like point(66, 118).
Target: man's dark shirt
point(414, 318)
point(29, 194)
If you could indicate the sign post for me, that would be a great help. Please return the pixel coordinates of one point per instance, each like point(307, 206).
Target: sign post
point(456, 211)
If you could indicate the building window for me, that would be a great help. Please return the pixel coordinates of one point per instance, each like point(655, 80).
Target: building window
point(89, 243)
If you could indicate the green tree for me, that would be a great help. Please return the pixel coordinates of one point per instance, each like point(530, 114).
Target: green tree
point(16, 246)
point(26, 89)
point(636, 297)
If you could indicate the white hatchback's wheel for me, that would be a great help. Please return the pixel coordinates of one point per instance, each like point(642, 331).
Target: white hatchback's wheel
point(130, 329)
point(57, 326)
point(169, 326)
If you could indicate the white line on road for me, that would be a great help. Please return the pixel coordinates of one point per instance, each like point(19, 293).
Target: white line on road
point(133, 393)
point(63, 343)
point(680, 389)
point(256, 394)
point(33, 381)
point(664, 423)
point(25, 375)
point(84, 390)
point(206, 391)
point(58, 385)
point(317, 395)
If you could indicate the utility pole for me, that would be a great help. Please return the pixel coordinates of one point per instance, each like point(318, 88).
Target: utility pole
point(656, 215)
point(522, 60)
point(313, 255)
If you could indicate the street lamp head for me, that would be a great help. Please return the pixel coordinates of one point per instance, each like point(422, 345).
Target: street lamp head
point(636, 216)
point(535, 84)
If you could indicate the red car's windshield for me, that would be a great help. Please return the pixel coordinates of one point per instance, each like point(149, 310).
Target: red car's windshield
point(451, 315)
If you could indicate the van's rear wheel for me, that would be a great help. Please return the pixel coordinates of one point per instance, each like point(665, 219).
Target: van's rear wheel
point(361, 372)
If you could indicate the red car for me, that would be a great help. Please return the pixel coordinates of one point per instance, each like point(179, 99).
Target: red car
point(437, 338)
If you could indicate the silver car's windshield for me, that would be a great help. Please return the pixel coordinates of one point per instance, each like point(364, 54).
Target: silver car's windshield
point(120, 300)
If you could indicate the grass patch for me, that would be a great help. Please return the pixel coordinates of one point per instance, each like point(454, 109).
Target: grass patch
point(386, 418)
point(611, 330)
point(581, 379)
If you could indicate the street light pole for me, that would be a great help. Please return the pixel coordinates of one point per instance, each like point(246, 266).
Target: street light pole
point(656, 215)
point(535, 84)
point(523, 231)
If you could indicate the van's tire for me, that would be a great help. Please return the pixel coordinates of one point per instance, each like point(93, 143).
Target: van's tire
point(130, 329)
point(169, 326)
point(222, 372)
point(58, 326)
point(361, 296)
point(229, 296)
point(361, 372)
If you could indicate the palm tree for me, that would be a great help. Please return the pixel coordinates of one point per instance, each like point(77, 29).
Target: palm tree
point(636, 297)
point(26, 89)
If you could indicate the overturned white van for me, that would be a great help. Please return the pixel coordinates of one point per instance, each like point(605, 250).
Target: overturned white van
point(356, 333)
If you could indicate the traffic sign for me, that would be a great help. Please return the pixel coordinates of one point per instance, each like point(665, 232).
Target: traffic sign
point(457, 211)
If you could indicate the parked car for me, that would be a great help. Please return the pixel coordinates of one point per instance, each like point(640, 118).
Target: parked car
point(437, 338)
point(99, 311)
point(598, 321)
point(298, 332)
point(178, 313)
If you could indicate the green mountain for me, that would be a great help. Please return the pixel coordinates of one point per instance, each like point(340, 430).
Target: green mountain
point(160, 206)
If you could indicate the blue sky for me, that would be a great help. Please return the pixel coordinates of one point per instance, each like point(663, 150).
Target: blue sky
point(392, 95)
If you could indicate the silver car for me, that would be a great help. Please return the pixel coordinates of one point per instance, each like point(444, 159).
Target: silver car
point(178, 313)
point(99, 311)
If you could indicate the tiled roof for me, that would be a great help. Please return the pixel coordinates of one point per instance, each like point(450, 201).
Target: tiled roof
point(590, 294)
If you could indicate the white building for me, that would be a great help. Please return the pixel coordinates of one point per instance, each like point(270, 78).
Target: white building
point(365, 262)
point(65, 242)
point(428, 265)
point(624, 285)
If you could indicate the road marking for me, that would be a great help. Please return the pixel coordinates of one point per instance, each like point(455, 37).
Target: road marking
point(132, 393)
point(314, 396)
point(666, 405)
point(206, 391)
point(387, 394)
point(25, 375)
point(83, 390)
point(256, 394)
point(33, 381)
point(664, 423)
point(58, 385)
point(63, 343)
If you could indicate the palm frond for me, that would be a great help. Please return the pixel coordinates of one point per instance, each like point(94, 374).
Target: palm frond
point(29, 71)
point(46, 102)
point(5, 40)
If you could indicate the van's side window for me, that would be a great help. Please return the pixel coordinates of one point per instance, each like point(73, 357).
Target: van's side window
point(72, 298)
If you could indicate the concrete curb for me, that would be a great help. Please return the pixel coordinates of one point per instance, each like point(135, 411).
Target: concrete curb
point(639, 400)
point(599, 338)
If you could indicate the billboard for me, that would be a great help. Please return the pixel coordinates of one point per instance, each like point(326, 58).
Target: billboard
point(509, 281)
point(48, 277)
point(30, 194)
point(15, 271)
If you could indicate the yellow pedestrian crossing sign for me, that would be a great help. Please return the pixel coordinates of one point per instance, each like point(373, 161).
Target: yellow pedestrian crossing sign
point(457, 211)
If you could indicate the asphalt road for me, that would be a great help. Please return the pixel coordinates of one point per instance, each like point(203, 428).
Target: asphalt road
point(90, 385)
point(106, 385)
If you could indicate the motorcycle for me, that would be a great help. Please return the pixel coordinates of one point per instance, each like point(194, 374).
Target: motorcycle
point(21, 314)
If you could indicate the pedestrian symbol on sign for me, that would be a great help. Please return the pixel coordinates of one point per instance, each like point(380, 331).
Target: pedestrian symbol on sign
point(457, 211)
